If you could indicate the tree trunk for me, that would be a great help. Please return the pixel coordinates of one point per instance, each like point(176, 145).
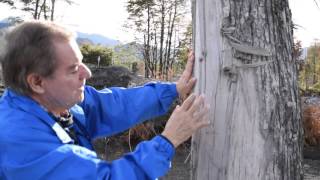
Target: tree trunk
point(146, 59)
point(148, 39)
point(53, 4)
point(155, 54)
point(35, 15)
point(165, 60)
point(161, 38)
point(169, 61)
point(45, 16)
point(245, 67)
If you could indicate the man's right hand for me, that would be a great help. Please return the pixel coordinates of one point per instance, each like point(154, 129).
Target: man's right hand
point(187, 119)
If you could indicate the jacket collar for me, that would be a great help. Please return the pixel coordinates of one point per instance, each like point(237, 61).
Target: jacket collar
point(27, 104)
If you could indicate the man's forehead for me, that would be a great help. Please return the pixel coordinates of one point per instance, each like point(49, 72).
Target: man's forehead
point(67, 53)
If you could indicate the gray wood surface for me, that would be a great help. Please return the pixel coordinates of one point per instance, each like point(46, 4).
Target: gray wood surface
point(245, 68)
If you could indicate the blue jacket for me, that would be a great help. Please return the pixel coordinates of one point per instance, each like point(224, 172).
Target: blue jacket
point(33, 146)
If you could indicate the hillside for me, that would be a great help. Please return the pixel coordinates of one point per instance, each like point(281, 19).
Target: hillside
point(97, 39)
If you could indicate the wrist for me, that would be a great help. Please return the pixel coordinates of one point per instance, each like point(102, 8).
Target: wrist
point(169, 139)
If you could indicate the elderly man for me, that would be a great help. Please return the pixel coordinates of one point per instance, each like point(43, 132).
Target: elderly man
point(49, 117)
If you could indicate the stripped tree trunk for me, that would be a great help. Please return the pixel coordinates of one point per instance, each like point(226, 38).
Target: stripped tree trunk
point(245, 67)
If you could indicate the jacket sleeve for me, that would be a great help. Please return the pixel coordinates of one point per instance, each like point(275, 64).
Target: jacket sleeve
point(113, 110)
point(35, 154)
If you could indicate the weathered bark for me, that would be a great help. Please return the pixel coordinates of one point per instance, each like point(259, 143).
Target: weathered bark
point(245, 67)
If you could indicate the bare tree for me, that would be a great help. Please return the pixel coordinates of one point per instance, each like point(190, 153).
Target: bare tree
point(156, 20)
point(245, 67)
point(37, 7)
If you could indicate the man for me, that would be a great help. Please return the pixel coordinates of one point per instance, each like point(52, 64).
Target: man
point(49, 117)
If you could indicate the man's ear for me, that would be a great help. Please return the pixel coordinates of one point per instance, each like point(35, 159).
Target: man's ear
point(35, 82)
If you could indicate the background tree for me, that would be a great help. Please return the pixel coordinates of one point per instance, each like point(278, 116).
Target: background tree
point(39, 9)
point(126, 54)
point(158, 23)
point(309, 76)
point(185, 44)
point(245, 67)
point(91, 53)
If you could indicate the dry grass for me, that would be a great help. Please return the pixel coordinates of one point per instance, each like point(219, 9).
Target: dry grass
point(311, 125)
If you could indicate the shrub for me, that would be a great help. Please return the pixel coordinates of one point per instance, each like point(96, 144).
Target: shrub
point(91, 53)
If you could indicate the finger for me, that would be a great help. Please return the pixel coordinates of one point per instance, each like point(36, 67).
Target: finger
point(200, 115)
point(204, 120)
point(191, 84)
point(197, 104)
point(188, 102)
point(190, 53)
point(177, 108)
point(189, 67)
point(203, 124)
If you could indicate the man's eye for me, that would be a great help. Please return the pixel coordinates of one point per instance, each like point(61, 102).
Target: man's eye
point(74, 71)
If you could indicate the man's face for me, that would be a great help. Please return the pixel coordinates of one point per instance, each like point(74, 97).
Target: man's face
point(65, 87)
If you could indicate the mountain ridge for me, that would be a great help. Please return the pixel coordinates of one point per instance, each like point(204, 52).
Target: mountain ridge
point(97, 39)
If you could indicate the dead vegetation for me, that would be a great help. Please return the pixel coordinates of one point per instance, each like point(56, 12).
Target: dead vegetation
point(311, 125)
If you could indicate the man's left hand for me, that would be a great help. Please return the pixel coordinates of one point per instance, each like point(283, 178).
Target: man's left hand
point(186, 82)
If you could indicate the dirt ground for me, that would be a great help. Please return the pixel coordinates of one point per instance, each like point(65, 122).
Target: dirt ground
point(311, 169)
point(311, 163)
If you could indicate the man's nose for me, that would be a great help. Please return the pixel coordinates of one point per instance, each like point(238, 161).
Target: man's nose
point(86, 73)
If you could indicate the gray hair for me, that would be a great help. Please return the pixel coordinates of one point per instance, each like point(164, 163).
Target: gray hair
point(30, 49)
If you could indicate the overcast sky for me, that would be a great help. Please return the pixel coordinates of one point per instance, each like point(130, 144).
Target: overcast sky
point(108, 16)
point(105, 17)
point(306, 15)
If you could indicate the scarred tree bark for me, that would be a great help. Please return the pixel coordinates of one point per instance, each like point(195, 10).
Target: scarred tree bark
point(245, 67)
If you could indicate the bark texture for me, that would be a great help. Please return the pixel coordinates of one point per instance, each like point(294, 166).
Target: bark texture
point(245, 67)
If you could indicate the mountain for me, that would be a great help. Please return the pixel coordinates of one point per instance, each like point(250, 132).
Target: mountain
point(4, 25)
point(82, 41)
point(82, 38)
point(97, 39)
point(133, 49)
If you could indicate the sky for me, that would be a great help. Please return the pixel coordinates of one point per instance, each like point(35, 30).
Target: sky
point(107, 17)
point(306, 15)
